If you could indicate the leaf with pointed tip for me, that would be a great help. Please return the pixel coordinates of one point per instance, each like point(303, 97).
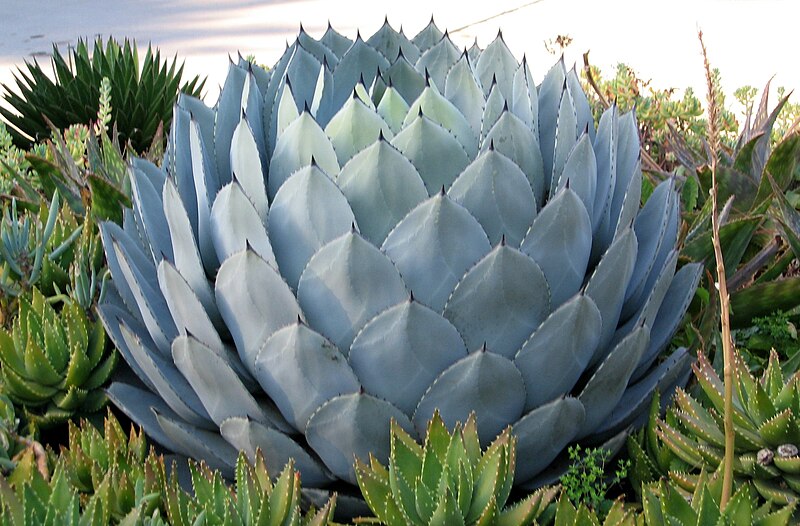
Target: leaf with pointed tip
point(337, 42)
point(544, 432)
point(580, 172)
point(379, 201)
point(574, 328)
point(463, 89)
point(147, 199)
point(437, 60)
point(353, 426)
point(497, 62)
point(307, 212)
point(500, 301)
point(207, 185)
point(237, 225)
point(550, 91)
point(605, 149)
point(566, 137)
point(360, 61)
point(139, 405)
point(353, 128)
point(493, 108)
point(436, 107)
point(524, 100)
point(229, 110)
point(393, 109)
point(390, 42)
point(515, 140)
point(199, 443)
point(435, 153)
point(302, 141)
point(254, 301)
point(560, 241)
point(483, 382)
point(497, 193)
point(608, 383)
point(411, 340)
point(246, 167)
point(428, 36)
point(287, 110)
point(302, 72)
point(300, 370)
point(345, 284)
point(434, 246)
point(405, 79)
point(583, 112)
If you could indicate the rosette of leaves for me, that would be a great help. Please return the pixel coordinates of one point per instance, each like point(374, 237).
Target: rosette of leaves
point(765, 416)
point(343, 248)
point(143, 92)
point(54, 364)
point(447, 480)
point(565, 513)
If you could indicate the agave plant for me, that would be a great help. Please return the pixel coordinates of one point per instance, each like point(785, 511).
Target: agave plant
point(766, 424)
point(381, 229)
point(54, 364)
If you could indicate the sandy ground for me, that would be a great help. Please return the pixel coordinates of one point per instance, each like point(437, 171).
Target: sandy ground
point(749, 40)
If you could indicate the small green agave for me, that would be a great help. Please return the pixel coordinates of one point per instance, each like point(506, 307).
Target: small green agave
point(447, 480)
point(54, 364)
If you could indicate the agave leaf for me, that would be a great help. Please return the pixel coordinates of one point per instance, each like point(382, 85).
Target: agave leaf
point(492, 110)
point(355, 127)
point(360, 62)
point(510, 207)
point(434, 246)
point(435, 61)
point(237, 225)
point(560, 242)
point(544, 432)
point(575, 328)
point(198, 443)
point(411, 340)
point(497, 62)
point(436, 154)
point(229, 109)
point(389, 42)
point(148, 200)
point(443, 112)
point(566, 137)
point(246, 168)
point(500, 301)
point(393, 109)
point(353, 424)
point(379, 203)
point(345, 284)
point(463, 89)
point(307, 212)
point(254, 301)
point(605, 149)
point(302, 73)
point(301, 370)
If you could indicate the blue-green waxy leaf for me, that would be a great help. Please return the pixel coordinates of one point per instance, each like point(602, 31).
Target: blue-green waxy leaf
point(405, 79)
point(361, 61)
point(252, 111)
point(229, 109)
point(497, 193)
point(247, 169)
point(345, 284)
point(437, 61)
point(436, 107)
point(607, 285)
point(300, 370)
point(580, 171)
point(354, 128)
point(573, 329)
point(604, 389)
point(218, 386)
point(550, 91)
point(483, 382)
point(492, 110)
point(428, 36)
point(168, 382)
point(381, 186)
point(566, 137)
point(189, 315)
point(605, 150)
point(463, 89)
point(278, 449)
point(435, 153)
point(113, 313)
point(511, 137)
point(335, 41)
point(434, 246)
point(199, 443)
point(236, 224)
point(524, 101)
point(391, 43)
point(353, 424)
point(393, 109)
point(147, 199)
point(543, 433)
point(321, 50)
point(322, 105)
point(206, 187)
point(307, 212)
point(500, 301)
point(497, 62)
point(560, 241)
point(140, 406)
point(187, 258)
point(302, 73)
point(413, 342)
point(254, 301)
point(302, 141)
point(583, 112)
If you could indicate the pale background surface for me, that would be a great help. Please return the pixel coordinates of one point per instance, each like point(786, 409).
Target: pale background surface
point(748, 40)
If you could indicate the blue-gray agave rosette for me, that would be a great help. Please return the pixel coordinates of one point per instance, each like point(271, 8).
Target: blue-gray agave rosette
point(378, 229)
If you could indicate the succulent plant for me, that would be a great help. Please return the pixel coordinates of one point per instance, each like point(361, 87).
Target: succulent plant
point(447, 480)
point(9, 446)
point(381, 229)
point(54, 364)
point(142, 92)
point(765, 421)
point(567, 514)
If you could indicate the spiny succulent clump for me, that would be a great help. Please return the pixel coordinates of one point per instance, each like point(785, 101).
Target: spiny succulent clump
point(376, 230)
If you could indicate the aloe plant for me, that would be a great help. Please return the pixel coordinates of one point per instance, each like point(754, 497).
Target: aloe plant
point(379, 234)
